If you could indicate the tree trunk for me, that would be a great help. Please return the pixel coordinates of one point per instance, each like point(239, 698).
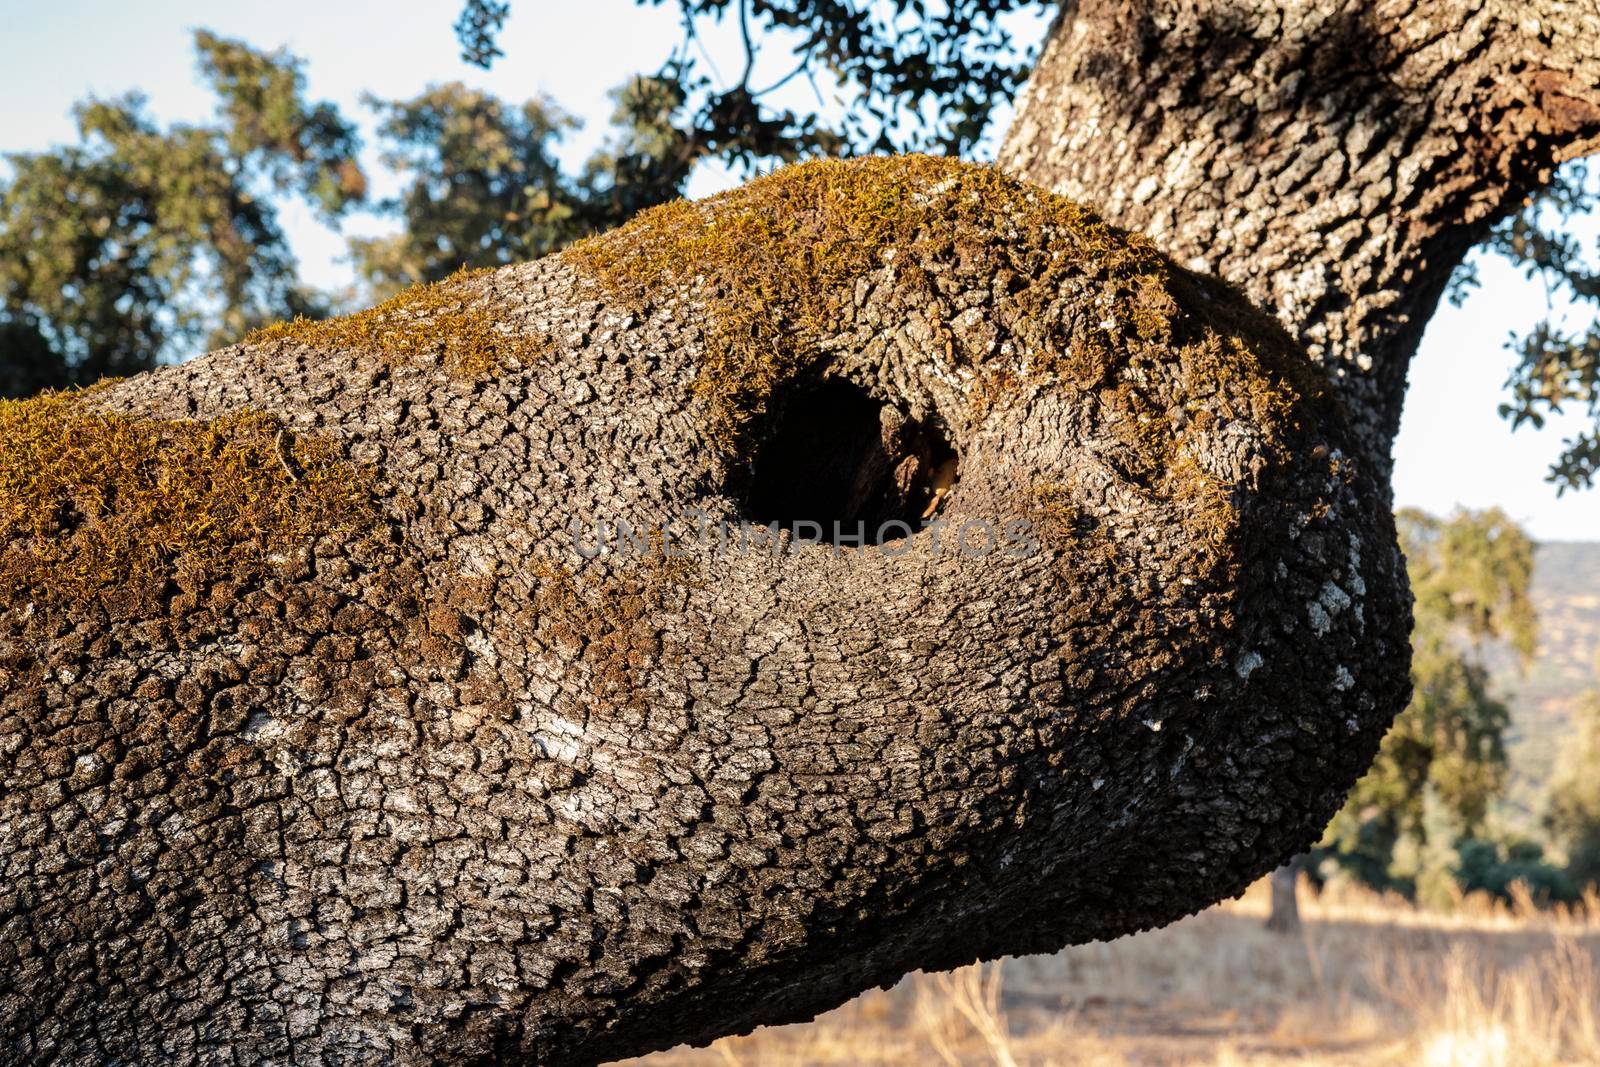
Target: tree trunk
point(1284, 917)
point(1335, 159)
point(322, 742)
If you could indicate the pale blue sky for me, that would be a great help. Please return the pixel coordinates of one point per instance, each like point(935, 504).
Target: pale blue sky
point(1453, 448)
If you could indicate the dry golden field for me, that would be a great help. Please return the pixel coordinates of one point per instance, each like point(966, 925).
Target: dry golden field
point(1367, 981)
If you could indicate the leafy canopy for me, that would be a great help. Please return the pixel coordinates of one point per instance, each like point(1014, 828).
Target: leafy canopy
point(918, 75)
point(483, 186)
point(1557, 367)
point(141, 241)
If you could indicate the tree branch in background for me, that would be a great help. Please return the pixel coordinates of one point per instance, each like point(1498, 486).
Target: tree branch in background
point(1557, 367)
point(911, 76)
point(477, 30)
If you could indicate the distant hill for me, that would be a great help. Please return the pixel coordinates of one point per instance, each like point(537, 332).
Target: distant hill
point(1566, 593)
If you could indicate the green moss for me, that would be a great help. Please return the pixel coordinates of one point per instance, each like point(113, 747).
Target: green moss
point(93, 502)
point(776, 261)
point(454, 321)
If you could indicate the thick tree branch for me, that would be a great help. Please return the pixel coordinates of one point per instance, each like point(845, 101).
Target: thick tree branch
point(356, 758)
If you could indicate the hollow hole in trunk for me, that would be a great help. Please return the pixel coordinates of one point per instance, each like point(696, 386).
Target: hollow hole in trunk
point(848, 469)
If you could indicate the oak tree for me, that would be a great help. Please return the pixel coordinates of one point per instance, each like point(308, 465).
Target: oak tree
point(140, 242)
point(324, 743)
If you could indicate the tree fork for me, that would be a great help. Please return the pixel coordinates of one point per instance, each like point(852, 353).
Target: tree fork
point(367, 765)
point(1333, 159)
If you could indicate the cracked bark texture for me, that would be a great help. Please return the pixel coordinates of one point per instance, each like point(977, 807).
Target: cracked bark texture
point(1333, 158)
point(444, 794)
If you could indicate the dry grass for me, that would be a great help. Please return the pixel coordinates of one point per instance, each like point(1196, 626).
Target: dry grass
point(1368, 980)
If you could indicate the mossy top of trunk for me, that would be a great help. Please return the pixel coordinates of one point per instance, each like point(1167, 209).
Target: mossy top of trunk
point(97, 504)
point(1088, 308)
point(455, 323)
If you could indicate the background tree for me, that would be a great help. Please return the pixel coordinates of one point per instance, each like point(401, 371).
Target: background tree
point(1443, 764)
point(484, 188)
point(141, 242)
point(1573, 815)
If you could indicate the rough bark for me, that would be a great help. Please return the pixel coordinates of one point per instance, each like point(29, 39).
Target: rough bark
point(1333, 158)
point(440, 790)
point(430, 789)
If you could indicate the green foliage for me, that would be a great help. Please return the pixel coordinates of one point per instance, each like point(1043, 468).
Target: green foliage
point(919, 76)
point(1443, 763)
point(480, 21)
point(1470, 574)
point(140, 242)
point(1429, 859)
point(269, 126)
point(647, 160)
point(1494, 867)
point(1573, 814)
point(1557, 368)
point(484, 186)
point(136, 240)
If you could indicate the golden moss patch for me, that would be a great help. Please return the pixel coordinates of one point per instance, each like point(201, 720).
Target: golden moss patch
point(776, 255)
point(1054, 515)
point(775, 259)
point(95, 502)
point(452, 321)
point(1163, 354)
